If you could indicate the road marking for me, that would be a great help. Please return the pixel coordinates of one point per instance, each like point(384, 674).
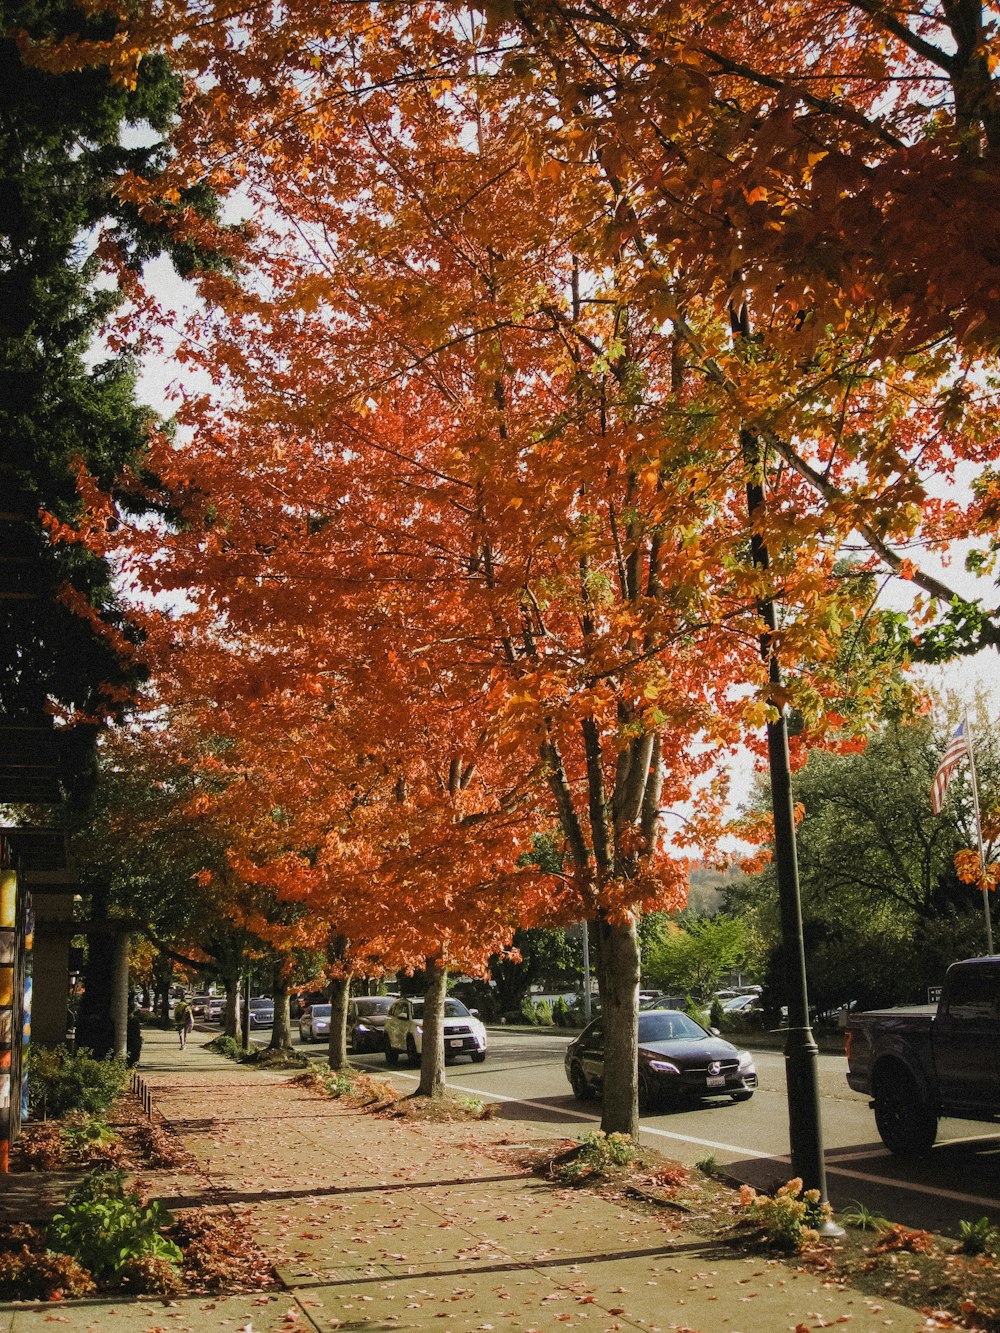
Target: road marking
point(915, 1189)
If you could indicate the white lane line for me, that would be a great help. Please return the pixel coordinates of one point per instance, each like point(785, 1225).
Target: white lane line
point(915, 1189)
point(831, 1167)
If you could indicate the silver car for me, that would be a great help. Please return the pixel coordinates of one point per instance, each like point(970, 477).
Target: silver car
point(314, 1022)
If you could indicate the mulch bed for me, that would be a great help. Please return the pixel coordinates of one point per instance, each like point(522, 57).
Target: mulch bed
point(220, 1253)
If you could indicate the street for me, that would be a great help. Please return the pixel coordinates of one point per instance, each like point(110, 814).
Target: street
point(959, 1180)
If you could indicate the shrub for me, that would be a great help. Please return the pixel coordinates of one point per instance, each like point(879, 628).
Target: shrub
point(790, 1218)
point(91, 1140)
point(105, 1227)
point(60, 1082)
point(597, 1154)
point(528, 1014)
point(543, 1013)
point(227, 1046)
point(33, 1276)
point(716, 1015)
point(560, 1012)
point(979, 1237)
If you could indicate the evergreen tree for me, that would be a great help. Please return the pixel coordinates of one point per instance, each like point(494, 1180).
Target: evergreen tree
point(66, 139)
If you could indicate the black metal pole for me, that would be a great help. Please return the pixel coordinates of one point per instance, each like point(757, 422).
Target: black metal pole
point(805, 1129)
point(801, 1052)
point(245, 988)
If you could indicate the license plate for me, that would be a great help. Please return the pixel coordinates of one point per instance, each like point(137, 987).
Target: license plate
point(717, 1082)
point(455, 1041)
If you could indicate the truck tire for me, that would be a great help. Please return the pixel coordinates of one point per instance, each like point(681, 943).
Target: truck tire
point(906, 1124)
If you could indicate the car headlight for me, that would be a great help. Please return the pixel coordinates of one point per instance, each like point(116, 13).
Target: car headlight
point(362, 1028)
point(746, 1061)
point(664, 1067)
point(418, 1029)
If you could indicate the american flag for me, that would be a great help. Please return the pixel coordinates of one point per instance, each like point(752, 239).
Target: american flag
point(958, 749)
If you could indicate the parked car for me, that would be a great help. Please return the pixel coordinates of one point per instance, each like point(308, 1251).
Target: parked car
point(366, 1015)
point(679, 1061)
point(463, 1032)
point(314, 1022)
point(199, 1005)
point(261, 1012)
point(215, 1009)
point(742, 1004)
point(921, 1062)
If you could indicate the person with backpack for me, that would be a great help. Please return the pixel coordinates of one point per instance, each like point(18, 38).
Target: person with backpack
point(183, 1020)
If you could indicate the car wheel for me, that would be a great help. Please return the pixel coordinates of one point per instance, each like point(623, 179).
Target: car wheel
point(391, 1054)
point(412, 1054)
point(578, 1082)
point(906, 1124)
point(647, 1093)
point(478, 1057)
point(741, 1096)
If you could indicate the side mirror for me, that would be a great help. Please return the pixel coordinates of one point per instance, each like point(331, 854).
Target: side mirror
point(474, 1013)
point(714, 1031)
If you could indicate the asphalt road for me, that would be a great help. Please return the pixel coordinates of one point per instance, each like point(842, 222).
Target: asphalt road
point(959, 1179)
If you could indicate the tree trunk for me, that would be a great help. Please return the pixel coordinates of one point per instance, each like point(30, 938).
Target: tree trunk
point(432, 1082)
point(281, 1032)
point(619, 982)
point(232, 1025)
point(340, 990)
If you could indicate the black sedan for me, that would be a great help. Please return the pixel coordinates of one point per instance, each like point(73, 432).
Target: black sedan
point(679, 1061)
point(366, 1015)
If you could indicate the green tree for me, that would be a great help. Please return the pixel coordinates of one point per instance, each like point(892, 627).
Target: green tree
point(66, 141)
point(694, 957)
point(884, 912)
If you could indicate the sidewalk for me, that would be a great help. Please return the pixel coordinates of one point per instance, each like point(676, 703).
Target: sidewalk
point(378, 1225)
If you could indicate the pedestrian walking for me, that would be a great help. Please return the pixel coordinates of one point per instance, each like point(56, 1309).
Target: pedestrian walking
point(183, 1020)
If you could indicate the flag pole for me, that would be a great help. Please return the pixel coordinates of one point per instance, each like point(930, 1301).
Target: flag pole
point(979, 834)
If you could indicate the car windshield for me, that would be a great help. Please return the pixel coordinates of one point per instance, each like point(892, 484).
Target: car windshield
point(320, 1011)
point(452, 1009)
point(261, 1004)
point(377, 1004)
point(665, 1025)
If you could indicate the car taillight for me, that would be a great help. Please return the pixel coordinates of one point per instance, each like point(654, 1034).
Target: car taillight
point(848, 1036)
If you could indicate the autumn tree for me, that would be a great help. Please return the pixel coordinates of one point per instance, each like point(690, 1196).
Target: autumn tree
point(489, 399)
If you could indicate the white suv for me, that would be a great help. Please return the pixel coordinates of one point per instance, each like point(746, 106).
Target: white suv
point(463, 1032)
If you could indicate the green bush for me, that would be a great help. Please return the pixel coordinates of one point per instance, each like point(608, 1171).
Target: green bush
point(60, 1082)
point(980, 1237)
point(227, 1046)
point(560, 1013)
point(106, 1228)
point(543, 1014)
point(81, 1131)
point(597, 1155)
point(529, 1013)
point(716, 1015)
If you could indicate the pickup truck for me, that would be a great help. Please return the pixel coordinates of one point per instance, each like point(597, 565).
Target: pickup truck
point(922, 1062)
